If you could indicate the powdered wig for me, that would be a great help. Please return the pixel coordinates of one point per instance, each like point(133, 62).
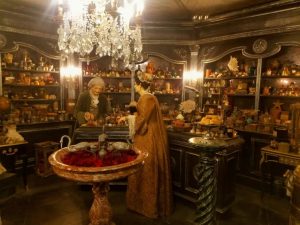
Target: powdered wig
point(96, 81)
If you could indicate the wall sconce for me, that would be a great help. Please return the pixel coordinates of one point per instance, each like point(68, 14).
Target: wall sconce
point(191, 83)
point(70, 72)
point(191, 78)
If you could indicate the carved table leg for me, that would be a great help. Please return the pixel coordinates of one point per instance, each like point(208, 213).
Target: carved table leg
point(101, 212)
point(205, 174)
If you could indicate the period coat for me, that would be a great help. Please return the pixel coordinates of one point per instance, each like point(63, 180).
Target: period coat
point(149, 190)
point(84, 103)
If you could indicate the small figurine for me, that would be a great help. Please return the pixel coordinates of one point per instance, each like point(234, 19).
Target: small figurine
point(8, 58)
point(285, 71)
point(150, 68)
point(276, 110)
point(233, 64)
point(266, 90)
point(41, 64)
point(269, 72)
point(12, 135)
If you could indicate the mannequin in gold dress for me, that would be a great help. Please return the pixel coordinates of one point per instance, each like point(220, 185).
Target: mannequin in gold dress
point(150, 190)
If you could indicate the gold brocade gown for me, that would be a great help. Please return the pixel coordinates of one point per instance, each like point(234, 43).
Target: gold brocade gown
point(150, 189)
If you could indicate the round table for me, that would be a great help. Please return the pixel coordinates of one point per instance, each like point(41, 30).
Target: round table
point(101, 211)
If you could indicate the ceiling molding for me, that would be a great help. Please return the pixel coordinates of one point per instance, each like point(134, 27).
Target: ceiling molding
point(35, 16)
point(249, 17)
point(166, 24)
point(14, 7)
point(203, 41)
point(255, 33)
point(28, 32)
point(182, 6)
point(51, 56)
point(255, 11)
point(170, 41)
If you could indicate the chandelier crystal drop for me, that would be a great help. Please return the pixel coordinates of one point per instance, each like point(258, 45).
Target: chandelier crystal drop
point(103, 25)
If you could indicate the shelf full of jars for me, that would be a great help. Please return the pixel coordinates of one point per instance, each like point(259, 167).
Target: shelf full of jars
point(31, 82)
point(119, 89)
point(253, 94)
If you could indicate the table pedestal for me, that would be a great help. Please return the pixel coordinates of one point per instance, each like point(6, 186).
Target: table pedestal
point(205, 174)
point(206, 177)
point(101, 211)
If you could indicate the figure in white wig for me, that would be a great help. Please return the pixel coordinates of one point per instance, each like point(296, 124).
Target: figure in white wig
point(92, 104)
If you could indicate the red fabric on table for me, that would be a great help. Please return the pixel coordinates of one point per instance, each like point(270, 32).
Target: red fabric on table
point(88, 159)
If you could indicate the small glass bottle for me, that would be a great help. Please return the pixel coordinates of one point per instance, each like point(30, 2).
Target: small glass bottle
point(102, 144)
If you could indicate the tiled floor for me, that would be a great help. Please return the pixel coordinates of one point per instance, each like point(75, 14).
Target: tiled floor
point(54, 201)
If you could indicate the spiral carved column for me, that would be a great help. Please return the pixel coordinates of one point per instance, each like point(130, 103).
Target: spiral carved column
point(101, 211)
point(205, 174)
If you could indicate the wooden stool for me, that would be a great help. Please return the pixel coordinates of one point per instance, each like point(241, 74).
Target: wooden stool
point(42, 151)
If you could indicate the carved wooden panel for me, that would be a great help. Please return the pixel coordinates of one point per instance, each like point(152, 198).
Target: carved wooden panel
point(190, 181)
point(176, 165)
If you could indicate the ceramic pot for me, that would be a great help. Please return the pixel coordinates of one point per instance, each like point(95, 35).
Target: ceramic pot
point(4, 104)
point(12, 136)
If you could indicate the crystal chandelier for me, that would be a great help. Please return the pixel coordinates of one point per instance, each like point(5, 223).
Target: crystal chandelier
point(103, 25)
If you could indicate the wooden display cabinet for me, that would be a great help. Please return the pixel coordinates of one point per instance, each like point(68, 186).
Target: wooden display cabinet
point(184, 160)
point(272, 83)
point(223, 87)
point(167, 75)
point(262, 83)
point(117, 81)
point(280, 81)
point(168, 84)
point(31, 80)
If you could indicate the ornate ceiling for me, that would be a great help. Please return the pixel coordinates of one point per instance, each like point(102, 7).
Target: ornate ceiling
point(171, 19)
point(155, 10)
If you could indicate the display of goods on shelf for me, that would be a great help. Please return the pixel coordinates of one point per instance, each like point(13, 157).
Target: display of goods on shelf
point(25, 59)
point(211, 120)
point(226, 81)
point(231, 66)
point(22, 113)
point(4, 104)
point(166, 86)
point(277, 68)
point(32, 83)
point(165, 81)
point(108, 74)
point(24, 78)
point(113, 86)
point(281, 87)
point(112, 120)
point(252, 120)
point(241, 87)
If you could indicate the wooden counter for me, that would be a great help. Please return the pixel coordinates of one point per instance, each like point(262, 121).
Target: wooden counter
point(185, 158)
point(91, 133)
